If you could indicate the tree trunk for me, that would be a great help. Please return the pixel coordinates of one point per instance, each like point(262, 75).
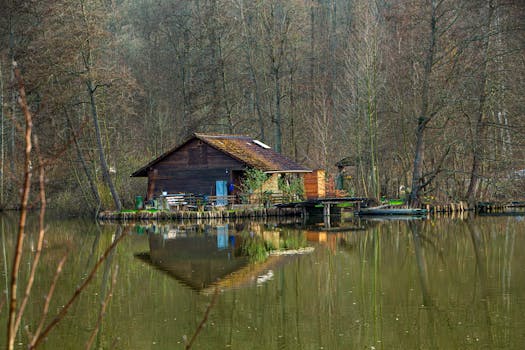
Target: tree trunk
point(418, 165)
point(480, 124)
point(333, 58)
point(103, 163)
point(312, 53)
point(13, 97)
point(260, 117)
point(185, 88)
point(248, 40)
point(293, 138)
point(2, 140)
point(424, 118)
point(91, 181)
point(227, 106)
point(277, 117)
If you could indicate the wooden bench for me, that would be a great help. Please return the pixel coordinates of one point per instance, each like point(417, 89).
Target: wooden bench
point(174, 201)
point(194, 202)
point(230, 199)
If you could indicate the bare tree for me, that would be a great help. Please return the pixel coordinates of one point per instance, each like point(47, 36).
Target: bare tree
point(480, 123)
point(425, 115)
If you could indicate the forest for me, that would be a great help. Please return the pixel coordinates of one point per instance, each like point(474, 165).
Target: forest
point(423, 97)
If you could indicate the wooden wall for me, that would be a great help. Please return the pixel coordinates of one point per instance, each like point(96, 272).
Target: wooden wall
point(193, 168)
point(197, 154)
point(314, 184)
point(271, 184)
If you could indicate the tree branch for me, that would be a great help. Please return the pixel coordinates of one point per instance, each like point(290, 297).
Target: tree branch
point(11, 329)
point(77, 293)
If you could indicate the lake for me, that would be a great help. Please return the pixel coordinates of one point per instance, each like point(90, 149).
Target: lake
point(439, 283)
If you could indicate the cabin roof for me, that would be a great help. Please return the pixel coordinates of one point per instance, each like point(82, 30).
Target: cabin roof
point(249, 151)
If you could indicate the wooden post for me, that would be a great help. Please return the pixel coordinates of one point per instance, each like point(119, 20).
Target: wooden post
point(152, 177)
point(326, 215)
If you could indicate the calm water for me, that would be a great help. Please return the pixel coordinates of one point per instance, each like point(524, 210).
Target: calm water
point(443, 283)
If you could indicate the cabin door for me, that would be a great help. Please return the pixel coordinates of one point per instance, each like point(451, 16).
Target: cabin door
point(221, 191)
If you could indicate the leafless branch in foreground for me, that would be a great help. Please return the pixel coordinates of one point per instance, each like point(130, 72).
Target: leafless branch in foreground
point(41, 232)
point(204, 318)
point(49, 296)
point(89, 343)
point(11, 329)
point(77, 293)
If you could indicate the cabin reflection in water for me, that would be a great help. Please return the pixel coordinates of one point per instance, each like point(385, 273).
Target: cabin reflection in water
point(207, 256)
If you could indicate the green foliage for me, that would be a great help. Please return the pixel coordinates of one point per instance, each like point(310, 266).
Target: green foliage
point(292, 240)
point(345, 205)
point(253, 180)
point(292, 188)
point(254, 247)
point(66, 199)
point(252, 183)
point(105, 196)
point(266, 198)
point(257, 249)
point(140, 211)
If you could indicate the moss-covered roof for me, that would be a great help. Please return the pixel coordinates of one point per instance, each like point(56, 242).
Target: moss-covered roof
point(253, 153)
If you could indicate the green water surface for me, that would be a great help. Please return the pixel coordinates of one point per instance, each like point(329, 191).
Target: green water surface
point(446, 283)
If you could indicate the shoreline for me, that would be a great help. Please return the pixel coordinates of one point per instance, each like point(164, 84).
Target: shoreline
point(276, 212)
point(197, 215)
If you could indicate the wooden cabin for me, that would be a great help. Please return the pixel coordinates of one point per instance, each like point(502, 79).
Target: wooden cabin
point(213, 165)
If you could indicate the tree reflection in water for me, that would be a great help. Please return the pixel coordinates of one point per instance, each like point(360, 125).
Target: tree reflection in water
point(433, 284)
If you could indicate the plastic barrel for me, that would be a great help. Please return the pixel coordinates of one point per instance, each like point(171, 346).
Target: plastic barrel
point(139, 202)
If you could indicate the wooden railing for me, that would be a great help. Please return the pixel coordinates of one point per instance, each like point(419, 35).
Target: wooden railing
point(222, 200)
point(180, 201)
point(191, 201)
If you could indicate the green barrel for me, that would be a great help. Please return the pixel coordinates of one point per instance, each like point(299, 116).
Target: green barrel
point(139, 202)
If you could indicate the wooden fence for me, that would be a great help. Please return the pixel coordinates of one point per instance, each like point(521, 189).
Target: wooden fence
point(188, 201)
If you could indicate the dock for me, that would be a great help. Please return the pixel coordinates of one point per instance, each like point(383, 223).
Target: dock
point(328, 207)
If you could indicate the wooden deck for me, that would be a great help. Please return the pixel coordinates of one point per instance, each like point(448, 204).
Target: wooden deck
point(357, 201)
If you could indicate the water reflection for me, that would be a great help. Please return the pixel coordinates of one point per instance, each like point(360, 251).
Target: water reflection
point(225, 255)
point(447, 283)
point(415, 229)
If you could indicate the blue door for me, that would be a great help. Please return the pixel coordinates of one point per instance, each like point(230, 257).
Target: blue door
point(221, 191)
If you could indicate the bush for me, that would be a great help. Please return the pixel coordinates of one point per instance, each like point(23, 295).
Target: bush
point(253, 181)
point(292, 188)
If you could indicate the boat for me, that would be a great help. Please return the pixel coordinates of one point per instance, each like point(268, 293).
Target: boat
point(382, 210)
